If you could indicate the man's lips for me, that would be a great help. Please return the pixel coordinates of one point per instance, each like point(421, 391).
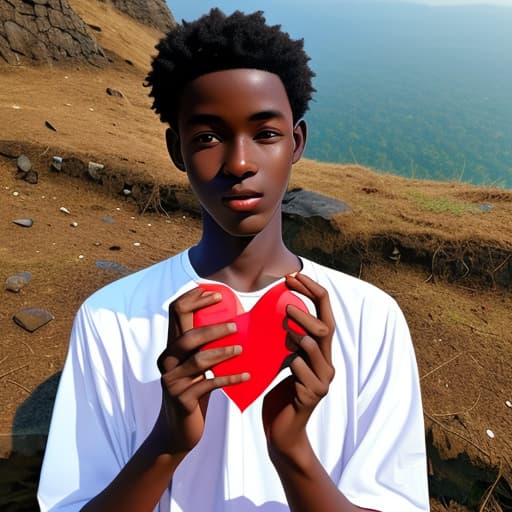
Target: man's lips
point(243, 201)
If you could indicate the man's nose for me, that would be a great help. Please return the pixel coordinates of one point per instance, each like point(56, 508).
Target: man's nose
point(238, 160)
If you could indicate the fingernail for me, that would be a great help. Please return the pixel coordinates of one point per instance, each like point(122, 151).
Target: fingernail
point(292, 274)
point(237, 349)
point(214, 295)
point(232, 327)
point(245, 376)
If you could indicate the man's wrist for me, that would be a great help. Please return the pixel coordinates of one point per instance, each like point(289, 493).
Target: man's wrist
point(297, 456)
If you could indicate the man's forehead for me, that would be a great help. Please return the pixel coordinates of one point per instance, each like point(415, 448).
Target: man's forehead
point(226, 77)
point(260, 90)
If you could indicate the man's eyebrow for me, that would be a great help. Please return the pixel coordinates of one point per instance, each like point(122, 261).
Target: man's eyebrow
point(214, 119)
point(266, 114)
point(203, 119)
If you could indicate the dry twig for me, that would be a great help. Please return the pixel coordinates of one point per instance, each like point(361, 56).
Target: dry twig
point(477, 329)
point(502, 264)
point(458, 413)
point(13, 370)
point(441, 365)
point(19, 385)
point(491, 489)
point(28, 346)
point(431, 418)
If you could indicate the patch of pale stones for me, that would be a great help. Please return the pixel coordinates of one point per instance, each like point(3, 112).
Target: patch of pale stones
point(31, 318)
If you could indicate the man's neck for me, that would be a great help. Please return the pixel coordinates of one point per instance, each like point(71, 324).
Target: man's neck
point(243, 263)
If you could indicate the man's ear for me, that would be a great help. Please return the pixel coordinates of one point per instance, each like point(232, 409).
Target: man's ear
point(174, 148)
point(300, 133)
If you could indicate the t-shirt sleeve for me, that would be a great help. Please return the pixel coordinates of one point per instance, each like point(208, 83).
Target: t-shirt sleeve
point(386, 470)
point(86, 447)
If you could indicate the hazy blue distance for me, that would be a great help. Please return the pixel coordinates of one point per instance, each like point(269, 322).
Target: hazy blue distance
point(411, 89)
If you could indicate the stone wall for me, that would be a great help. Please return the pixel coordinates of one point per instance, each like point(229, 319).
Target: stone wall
point(44, 31)
point(154, 13)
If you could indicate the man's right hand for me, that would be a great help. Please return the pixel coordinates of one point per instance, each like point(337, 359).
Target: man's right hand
point(185, 389)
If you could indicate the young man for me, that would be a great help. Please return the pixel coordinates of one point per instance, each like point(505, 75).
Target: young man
point(140, 422)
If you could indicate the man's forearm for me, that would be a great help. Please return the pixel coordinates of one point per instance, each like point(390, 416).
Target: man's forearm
point(307, 485)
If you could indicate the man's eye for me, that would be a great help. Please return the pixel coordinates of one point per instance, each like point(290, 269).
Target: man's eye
point(206, 138)
point(267, 134)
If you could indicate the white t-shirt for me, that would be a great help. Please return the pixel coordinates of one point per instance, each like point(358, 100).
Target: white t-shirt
point(367, 432)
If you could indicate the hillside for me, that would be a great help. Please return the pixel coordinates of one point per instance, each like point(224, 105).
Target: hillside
point(443, 250)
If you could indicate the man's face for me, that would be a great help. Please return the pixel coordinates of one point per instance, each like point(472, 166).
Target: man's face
point(238, 144)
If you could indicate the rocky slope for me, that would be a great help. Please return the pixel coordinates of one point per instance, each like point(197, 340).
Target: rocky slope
point(46, 31)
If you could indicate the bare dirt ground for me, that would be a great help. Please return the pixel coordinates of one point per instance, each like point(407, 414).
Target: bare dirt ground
point(453, 276)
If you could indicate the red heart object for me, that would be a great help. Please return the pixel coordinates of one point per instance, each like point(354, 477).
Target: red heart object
point(261, 333)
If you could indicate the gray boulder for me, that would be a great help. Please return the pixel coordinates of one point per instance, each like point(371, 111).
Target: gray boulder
point(153, 13)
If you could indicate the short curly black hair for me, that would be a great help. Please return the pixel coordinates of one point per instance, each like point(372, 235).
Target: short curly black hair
point(216, 42)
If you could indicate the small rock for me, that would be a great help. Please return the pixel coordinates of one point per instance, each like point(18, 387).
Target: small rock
point(490, 433)
point(115, 267)
point(32, 318)
point(64, 210)
point(24, 164)
point(26, 223)
point(93, 168)
point(114, 92)
point(74, 224)
point(508, 403)
point(126, 192)
point(56, 163)
point(15, 194)
point(395, 255)
point(31, 177)
point(97, 244)
point(303, 203)
point(81, 256)
point(50, 126)
point(136, 244)
point(16, 282)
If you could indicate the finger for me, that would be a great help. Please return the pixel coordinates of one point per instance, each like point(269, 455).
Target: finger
point(181, 311)
point(314, 358)
point(191, 341)
point(309, 389)
point(175, 387)
point(319, 295)
point(193, 395)
point(192, 371)
point(201, 361)
point(314, 326)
